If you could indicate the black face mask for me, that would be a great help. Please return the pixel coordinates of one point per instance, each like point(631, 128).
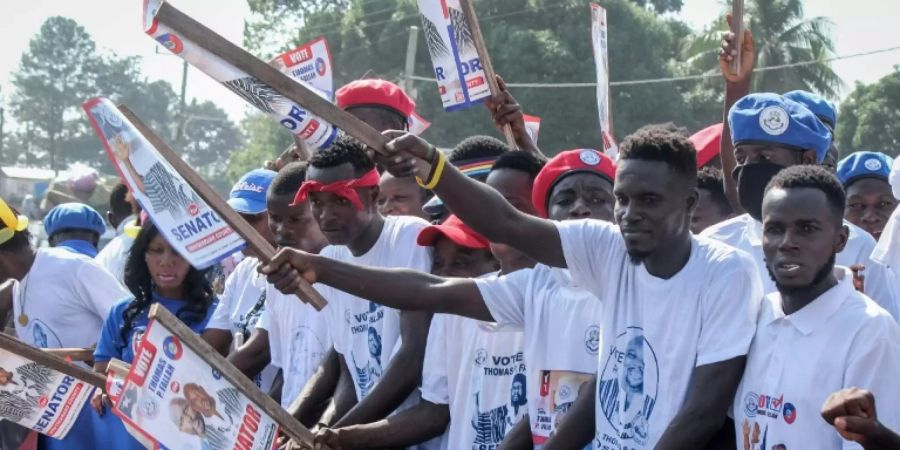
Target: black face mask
point(751, 185)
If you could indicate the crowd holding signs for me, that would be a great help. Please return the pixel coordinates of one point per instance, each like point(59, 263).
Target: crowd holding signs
point(390, 295)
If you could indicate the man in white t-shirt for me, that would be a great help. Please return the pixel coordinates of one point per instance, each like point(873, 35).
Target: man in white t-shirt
point(122, 217)
point(678, 312)
point(816, 334)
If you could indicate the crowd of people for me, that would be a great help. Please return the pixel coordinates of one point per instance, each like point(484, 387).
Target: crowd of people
point(734, 289)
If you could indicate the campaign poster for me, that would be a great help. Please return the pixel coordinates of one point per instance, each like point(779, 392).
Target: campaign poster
point(457, 67)
point(557, 393)
point(173, 395)
point(193, 229)
point(315, 132)
point(601, 61)
point(115, 381)
point(417, 124)
point(38, 397)
point(532, 127)
point(311, 64)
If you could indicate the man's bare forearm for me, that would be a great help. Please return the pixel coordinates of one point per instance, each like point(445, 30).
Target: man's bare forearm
point(344, 398)
point(318, 390)
point(254, 355)
point(416, 425)
point(578, 428)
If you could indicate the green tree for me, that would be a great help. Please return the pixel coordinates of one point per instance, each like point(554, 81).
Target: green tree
point(533, 41)
point(264, 140)
point(870, 117)
point(209, 138)
point(783, 36)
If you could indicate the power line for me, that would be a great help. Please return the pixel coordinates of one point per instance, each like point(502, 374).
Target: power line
point(686, 77)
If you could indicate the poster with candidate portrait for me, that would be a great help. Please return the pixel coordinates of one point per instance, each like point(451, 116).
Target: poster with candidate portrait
point(311, 64)
point(189, 224)
point(173, 395)
point(38, 397)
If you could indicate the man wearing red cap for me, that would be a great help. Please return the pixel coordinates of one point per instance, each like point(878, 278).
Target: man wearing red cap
point(379, 103)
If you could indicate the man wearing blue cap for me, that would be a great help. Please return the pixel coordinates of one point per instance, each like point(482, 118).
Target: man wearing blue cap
point(824, 111)
point(75, 227)
point(870, 201)
point(769, 133)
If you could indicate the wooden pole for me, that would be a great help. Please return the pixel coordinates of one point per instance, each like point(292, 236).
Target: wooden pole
point(737, 20)
point(478, 38)
point(51, 361)
point(207, 39)
point(291, 426)
point(211, 197)
point(75, 354)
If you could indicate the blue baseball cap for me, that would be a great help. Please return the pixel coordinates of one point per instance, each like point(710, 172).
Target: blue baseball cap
point(864, 165)
point(823, 109)
point(248, 196)
point(73, 216)
point(772, 119)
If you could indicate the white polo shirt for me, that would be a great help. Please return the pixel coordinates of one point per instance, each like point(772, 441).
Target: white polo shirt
point(745, 233)
point(562, 337)
point(841, 339)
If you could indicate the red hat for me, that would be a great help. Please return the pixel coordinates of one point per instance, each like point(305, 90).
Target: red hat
point(706, 141)
point(455, 230)
point(375, 92)
point(569, 161)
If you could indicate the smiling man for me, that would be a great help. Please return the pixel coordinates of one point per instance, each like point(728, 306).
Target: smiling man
point(870, 201)
point(816, 334)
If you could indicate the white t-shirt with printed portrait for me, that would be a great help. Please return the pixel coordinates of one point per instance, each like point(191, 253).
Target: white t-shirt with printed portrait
point(562, 337)
point(240, 306)
point(655, 332)
point(365, 333)
point(298, 339)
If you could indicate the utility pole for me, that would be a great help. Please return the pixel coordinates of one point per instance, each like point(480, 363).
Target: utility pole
point(411, 45)
point(182, 122)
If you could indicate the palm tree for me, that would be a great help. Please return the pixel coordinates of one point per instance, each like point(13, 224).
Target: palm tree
point(783, 36)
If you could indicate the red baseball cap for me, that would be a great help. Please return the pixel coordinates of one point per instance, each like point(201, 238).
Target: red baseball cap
point(375, 92)
point(707, 141)
point(455, 230)
point(569, 161)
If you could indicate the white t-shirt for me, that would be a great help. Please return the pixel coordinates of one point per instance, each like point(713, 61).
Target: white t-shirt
point(240, 306)
point(113, 256)
point(480, 374)
point(66, 297)
point(745, 233)
point(562, 337)
point(365, 333)
point(840, 340)
point(298, 339)
point(654, 332)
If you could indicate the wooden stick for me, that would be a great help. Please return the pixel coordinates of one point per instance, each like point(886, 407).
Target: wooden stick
point(75, 354)
point(119, 366)
point(737, 20)
point(291, 426)
point(478, 38)
point(231, 217)
point(51, 361)
point(217, 45)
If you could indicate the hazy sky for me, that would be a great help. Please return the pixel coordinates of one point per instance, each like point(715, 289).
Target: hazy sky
point(859, 26)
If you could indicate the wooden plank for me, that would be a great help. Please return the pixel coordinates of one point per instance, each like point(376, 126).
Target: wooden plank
point(211, 197)
point(291, 426)
point(52, 361)
point(737, 20)
point(478, 38)
point(212, 42)
point(75, 354)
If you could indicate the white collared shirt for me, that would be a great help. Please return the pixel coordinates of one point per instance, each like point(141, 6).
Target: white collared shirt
point(115, 254)
point(841, 339)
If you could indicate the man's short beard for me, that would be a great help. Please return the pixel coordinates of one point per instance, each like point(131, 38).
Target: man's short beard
point(637, 258)
point(821, 274)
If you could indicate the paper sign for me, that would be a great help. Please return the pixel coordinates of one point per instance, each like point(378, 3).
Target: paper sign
point(556, 395)
point(460, 77)
point(115, 381)
point(193, 229)
point(39, 398)
point(601, 61)
point(311, 64)
point(532, 127)
point(417, 124)
point(314, 131)
point(174, 396)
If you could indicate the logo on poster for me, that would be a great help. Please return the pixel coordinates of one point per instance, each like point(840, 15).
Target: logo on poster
point(172, 348)
point(171, 42)
point(321, 68)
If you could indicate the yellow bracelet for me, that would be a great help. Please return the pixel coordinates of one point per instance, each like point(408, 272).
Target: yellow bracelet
point(436, 173)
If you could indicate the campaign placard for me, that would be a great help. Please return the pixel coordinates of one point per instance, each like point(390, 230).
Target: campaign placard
point(532, 127)
point(457, 67)
point(193, 229)
point(173, 395)
point(315, 132)
point(311, 64)
point(38, 397)
point(601, 61)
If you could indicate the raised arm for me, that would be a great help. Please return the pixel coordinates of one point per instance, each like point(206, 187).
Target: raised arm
point(852, 413)
point(477, 204)
point(505, 110)
point(402, 289)
point(710, 393)
point(736, 87)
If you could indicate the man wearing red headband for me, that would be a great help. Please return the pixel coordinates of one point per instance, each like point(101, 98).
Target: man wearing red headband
point(374, 341)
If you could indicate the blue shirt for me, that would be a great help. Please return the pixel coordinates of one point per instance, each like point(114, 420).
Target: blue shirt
point(79, 246)
point(110, 344)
